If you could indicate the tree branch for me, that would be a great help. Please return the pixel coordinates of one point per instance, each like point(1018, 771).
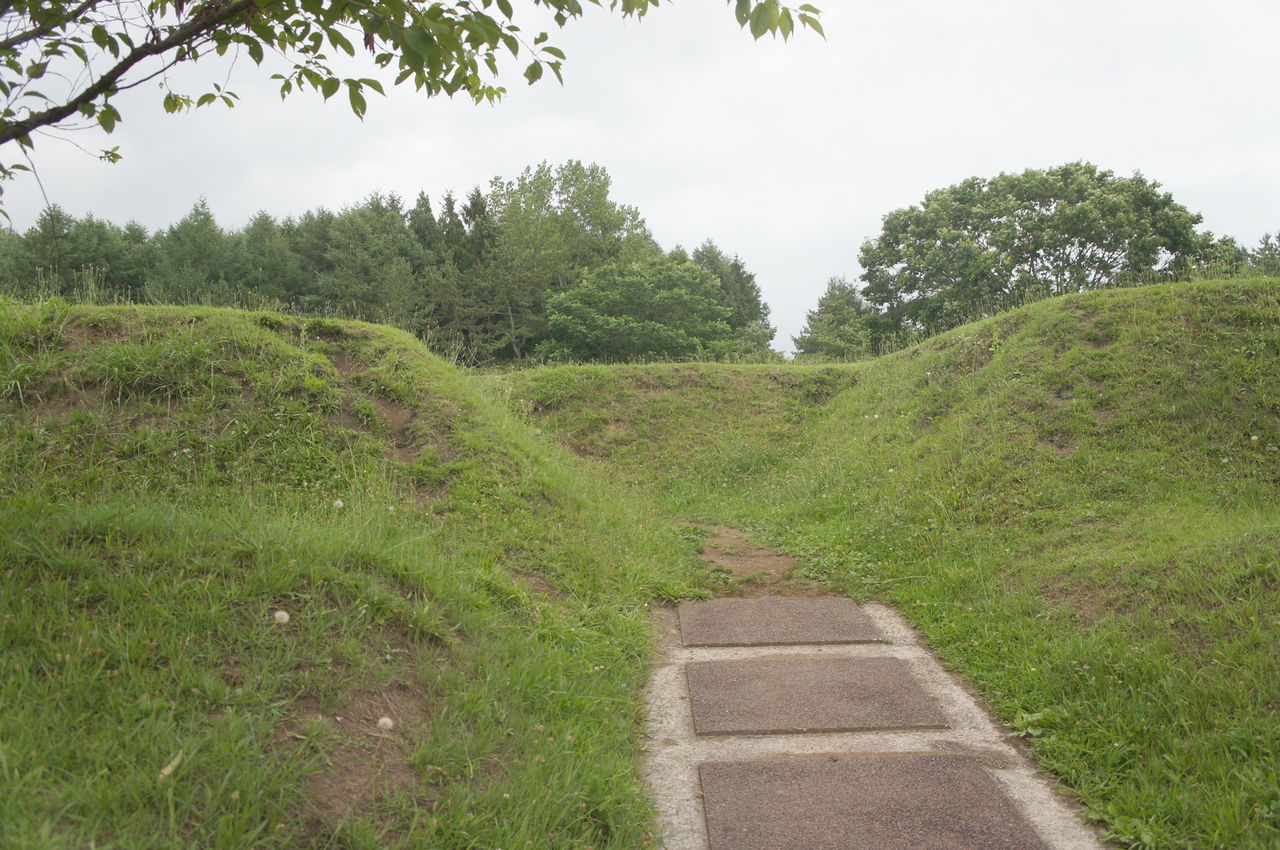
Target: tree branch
point(205, 22)
point(42, 31)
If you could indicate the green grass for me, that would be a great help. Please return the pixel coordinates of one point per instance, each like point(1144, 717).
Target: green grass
point(1077, 502)
point(1068, 500)
point(170, 478)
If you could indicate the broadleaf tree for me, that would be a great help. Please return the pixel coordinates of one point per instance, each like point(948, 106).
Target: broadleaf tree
point(656, 309)
point(988, 241)
point(64, 63)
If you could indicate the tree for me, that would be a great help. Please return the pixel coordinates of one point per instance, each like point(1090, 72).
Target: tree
point(191, 258)
point(1266, 258)
point(65, 61)
point(738, 288)
point(837, 328)
point(986, 242)
point(655, 309)
point(543, 232)
point(270, 267)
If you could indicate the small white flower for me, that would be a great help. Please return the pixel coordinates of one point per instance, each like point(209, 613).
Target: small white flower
point(337, 503)
point(392, 508)
point(281, 617)
point(386, 724)
point(1253, 438)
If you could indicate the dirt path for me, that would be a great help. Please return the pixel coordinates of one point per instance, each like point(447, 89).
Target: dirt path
point(783, 719)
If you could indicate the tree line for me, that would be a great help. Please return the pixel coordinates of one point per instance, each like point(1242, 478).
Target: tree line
point(546, 265)
point(987, 244)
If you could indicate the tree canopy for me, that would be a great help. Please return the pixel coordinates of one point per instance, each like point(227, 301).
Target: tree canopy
point(1059, 230)
point(661, 309)
point(475, 278)
point(64, 62)
point(837, 328)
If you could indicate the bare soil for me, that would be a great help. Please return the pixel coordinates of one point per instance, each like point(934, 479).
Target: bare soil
point(755, 570)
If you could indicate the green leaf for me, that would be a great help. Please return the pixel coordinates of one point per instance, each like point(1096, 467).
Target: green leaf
point(812, 23)
point(533, 73)
point(36, 70)
point(206, 99)
point(107, 117)
point(505, 6)
point(255, 50)
point(358, 104)
point(330, 87)
point(339, 41)
point(420, 43)
point(554, 51)
point(785, 24)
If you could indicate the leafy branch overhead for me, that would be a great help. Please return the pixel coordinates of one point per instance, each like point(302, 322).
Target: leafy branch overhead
point(62, 62)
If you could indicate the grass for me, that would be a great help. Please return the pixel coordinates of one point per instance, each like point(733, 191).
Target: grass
point(1076, 502)
point(172, 478)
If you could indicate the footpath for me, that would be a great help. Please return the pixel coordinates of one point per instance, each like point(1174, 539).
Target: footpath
point(799, 722)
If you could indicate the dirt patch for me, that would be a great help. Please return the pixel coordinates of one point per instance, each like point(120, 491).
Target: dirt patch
point(344, 363)
point(1087, 604)
point(537, 583)
point(361, 761)
point(53, 403)
point(729, 549)
point(398, 416)
point(754, 570)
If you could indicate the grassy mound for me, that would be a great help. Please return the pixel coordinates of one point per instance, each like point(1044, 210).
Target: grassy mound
point(1077, 502)
point(230, 543)
point(684, 431)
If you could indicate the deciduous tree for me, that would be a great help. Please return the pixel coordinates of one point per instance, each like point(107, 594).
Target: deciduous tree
point(984, 241)
point(656, 309)
point(64, 62)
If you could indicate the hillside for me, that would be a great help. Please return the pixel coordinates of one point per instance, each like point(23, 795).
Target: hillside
point(1077, 502)
point(232, 542)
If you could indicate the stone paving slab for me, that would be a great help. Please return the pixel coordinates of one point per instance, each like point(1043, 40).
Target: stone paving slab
point(775, 621)
point(779, 694)
point(881, 801)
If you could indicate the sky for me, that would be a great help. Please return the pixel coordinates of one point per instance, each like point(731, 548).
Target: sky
point(786, 154)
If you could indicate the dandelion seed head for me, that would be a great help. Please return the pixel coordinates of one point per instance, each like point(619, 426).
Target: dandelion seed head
point(337, 503)
point(282, 617)
point(386, 724)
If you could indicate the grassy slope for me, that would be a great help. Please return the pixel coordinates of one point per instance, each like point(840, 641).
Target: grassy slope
point(1077, 502)
point(169, 478)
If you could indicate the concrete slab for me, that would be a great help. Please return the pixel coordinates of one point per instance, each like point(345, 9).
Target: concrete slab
point(841, 802)
point(777, 694)
point(775, 621)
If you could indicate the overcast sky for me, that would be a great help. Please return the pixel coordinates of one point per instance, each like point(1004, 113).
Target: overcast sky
point(786, 154)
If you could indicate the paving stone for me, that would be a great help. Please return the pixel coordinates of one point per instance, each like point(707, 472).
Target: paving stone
point(776, 621)
point(861, 802)
point(807, 693)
